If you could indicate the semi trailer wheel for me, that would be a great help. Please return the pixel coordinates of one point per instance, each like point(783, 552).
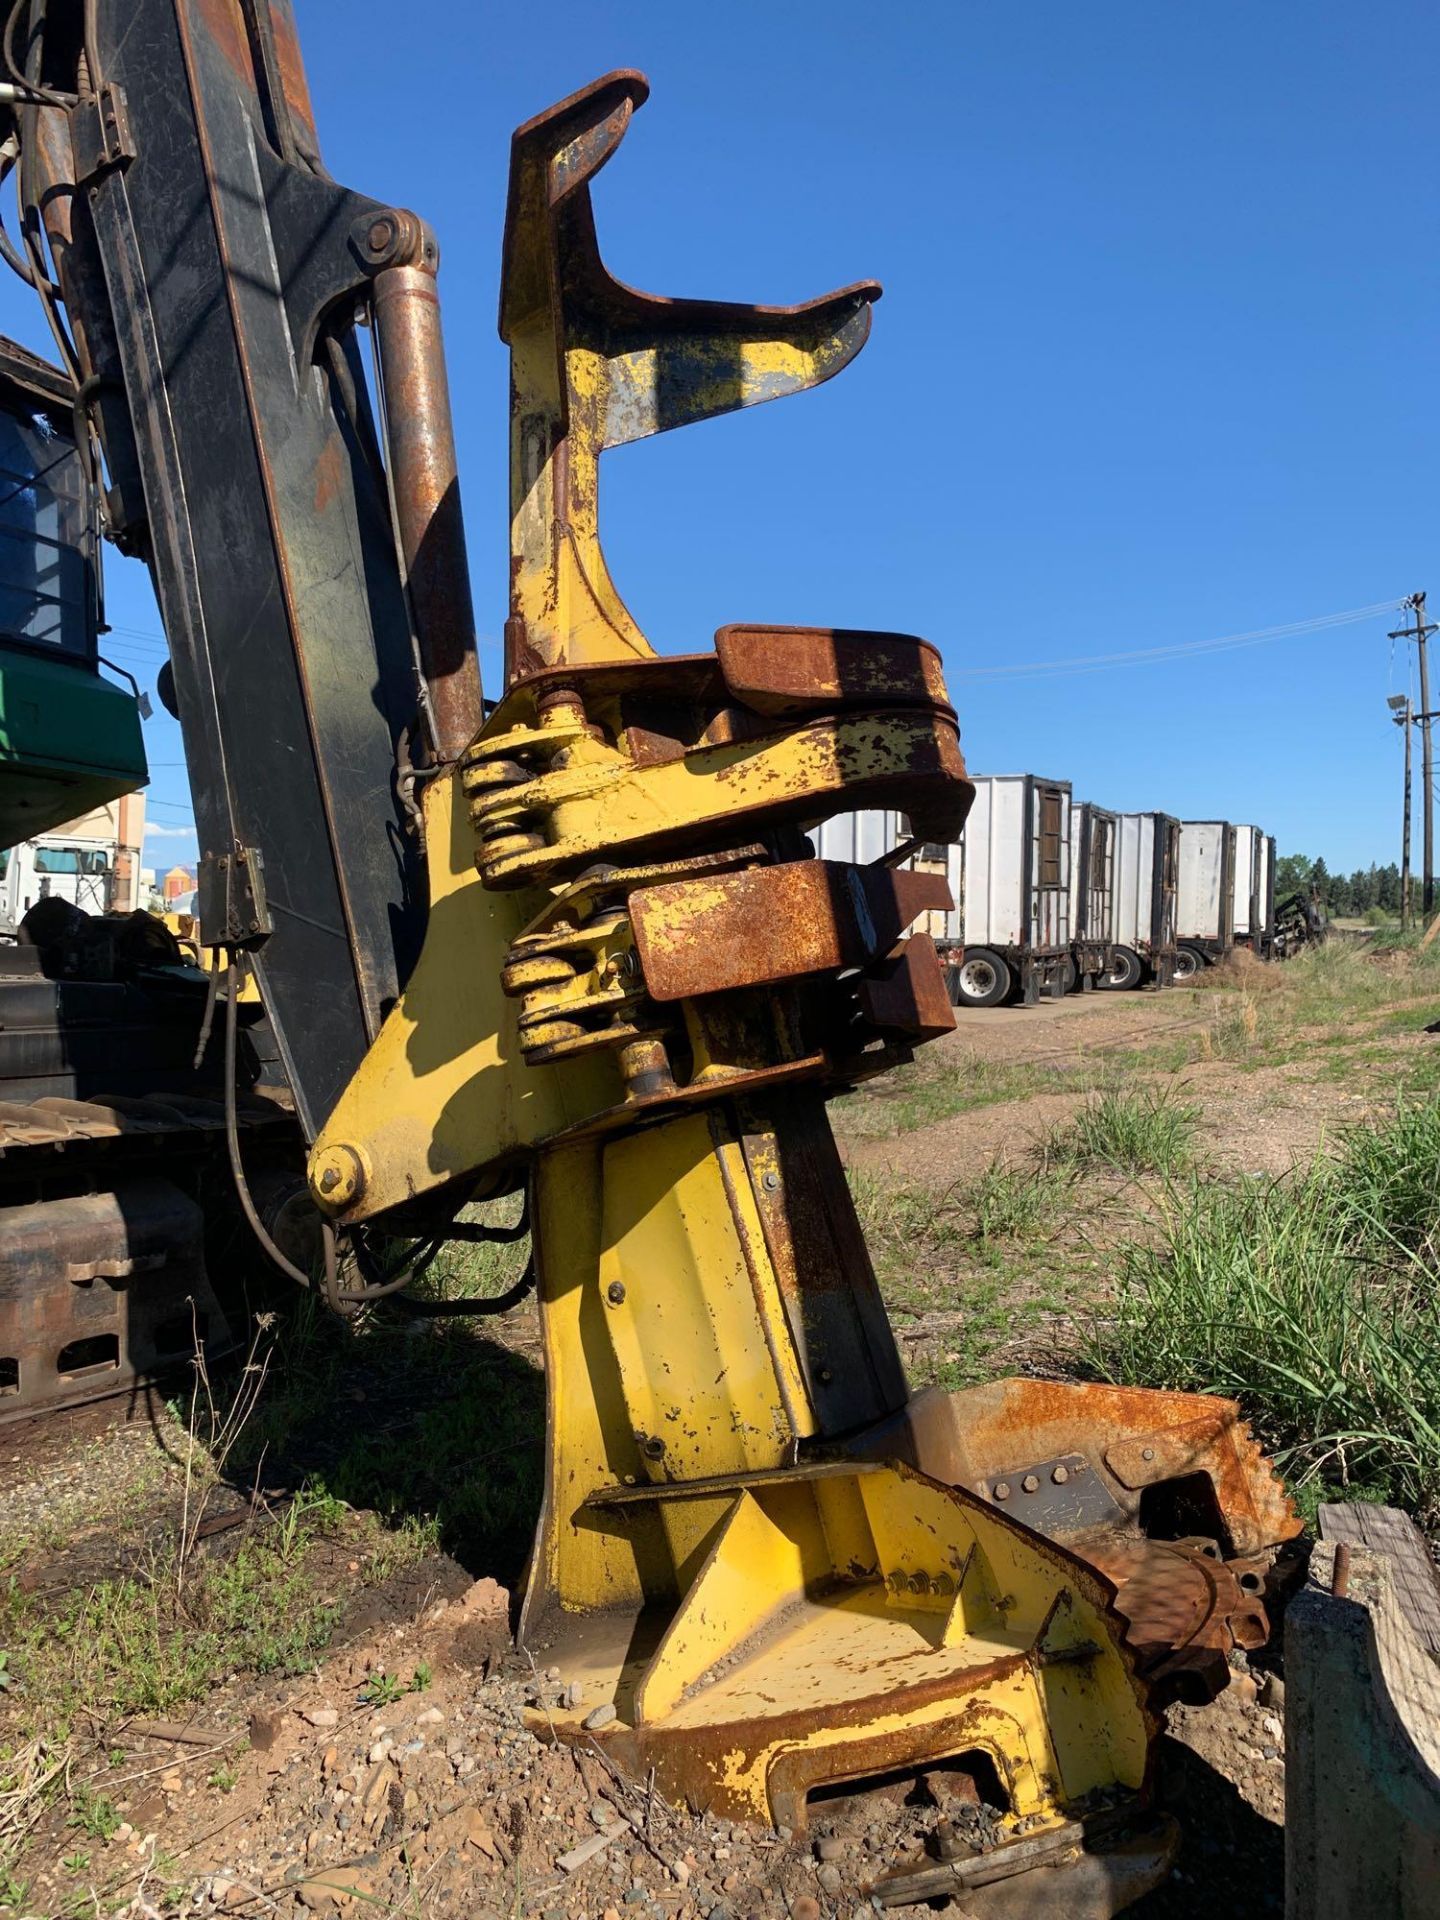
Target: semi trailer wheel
point(1124, 972)
point(982, 979)
point(1188, 962)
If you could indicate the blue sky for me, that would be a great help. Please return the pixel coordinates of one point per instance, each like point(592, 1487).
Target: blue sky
point(1156, 360)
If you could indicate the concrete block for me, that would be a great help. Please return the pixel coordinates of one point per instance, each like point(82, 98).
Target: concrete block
point(1412, 1572)
point(1362, 1743)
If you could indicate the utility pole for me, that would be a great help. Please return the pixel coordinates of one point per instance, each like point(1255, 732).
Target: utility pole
point(1420, 634)
point(1403, 714)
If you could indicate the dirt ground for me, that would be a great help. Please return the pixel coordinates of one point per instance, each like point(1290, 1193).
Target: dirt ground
point(1256, 1117)
point(400, 1765)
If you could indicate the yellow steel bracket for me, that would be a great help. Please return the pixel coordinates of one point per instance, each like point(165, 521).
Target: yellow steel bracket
point(603, 751)
point(595, 364)
point(769, 1568)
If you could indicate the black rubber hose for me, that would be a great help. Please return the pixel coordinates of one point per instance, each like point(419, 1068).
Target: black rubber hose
point(336, 1296)
point(475, 1232)
point(234, 982)
point(474, 1308)
point(212, 988)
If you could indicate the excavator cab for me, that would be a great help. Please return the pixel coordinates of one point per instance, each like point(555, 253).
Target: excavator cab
point(69, 738)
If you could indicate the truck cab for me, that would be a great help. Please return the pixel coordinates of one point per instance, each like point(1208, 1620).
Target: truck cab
point(55, 866)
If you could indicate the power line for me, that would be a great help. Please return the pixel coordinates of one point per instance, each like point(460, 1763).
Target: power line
point(1100, 662)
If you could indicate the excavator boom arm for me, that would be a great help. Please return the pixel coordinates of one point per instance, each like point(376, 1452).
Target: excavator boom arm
point(213, 275)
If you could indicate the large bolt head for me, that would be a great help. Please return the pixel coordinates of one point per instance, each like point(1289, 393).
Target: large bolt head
point(337, 1177)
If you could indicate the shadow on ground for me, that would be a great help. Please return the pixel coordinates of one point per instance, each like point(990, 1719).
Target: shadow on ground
point(433, 1423)
point(1232, 1860)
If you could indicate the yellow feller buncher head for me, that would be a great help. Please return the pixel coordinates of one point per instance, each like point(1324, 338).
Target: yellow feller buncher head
point(766, 1571)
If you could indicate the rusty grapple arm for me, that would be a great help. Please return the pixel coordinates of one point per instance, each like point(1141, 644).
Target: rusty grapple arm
point(765, 1568)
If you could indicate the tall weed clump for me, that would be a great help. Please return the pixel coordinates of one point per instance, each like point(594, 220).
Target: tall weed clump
point(1151, 1130)
point(1313, 1300)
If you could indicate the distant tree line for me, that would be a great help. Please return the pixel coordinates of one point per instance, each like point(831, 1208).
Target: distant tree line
point(1342, 895)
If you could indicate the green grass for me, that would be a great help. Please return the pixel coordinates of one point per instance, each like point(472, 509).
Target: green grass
point(1324, 982)
point(92, 1813)
point(145, 1641)
point(978, 1265)
point(1019, 1202)
point(1006, 1202)
point(1392, 938)
point(1313, 1301)
point(1144, 1130)
point(394, 1433)
point(938, 1086)
point(1247, 1032)
point(1114, 1065)
point(901, 1220)
point(1412, 1019)
point(1326, 996)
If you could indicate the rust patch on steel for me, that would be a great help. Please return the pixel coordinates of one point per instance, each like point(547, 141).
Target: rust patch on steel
point(1184, 1610)
point(837, 1322)
point(1010, 1420)
point(771, 924)
point(1340, 1570)
point(799, 669)
point(427, 498)
point(689, 1761)
point(906, 994)
point(226, 26)
point(99, 1290)
point(292, 69)
point(328, 474)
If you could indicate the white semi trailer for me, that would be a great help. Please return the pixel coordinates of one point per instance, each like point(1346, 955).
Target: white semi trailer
point(1009, 934)
point(1015, 910)
point(1147, 870)
point(860, 837)
point(1253, 887)
point(1205, 896)
point(1094, 870)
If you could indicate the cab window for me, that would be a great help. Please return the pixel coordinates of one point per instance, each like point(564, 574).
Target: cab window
point(71, 860)
point(47, 579)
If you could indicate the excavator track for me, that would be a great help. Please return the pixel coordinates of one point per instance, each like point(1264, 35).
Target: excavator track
point(107, 1239)
point(117, 1204)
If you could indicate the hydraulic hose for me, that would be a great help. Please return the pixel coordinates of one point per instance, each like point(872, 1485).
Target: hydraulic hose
point(233, 985)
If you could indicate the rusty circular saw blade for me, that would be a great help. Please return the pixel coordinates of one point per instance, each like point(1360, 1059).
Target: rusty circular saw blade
point(1181, 1604)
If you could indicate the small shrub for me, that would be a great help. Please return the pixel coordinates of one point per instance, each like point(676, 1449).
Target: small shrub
point(1018, 1202)
point(382, 1690)
point(93, 1814)
point(1240, 970)
point(1147, 1131)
